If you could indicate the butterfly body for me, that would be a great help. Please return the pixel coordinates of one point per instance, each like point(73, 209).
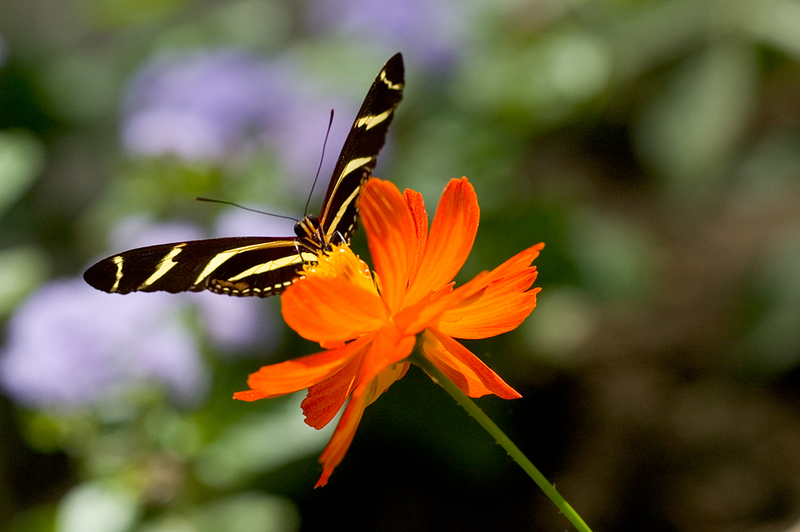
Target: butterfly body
point(265, 266)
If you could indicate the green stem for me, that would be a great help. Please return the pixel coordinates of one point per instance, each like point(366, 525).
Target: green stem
point(494, 431)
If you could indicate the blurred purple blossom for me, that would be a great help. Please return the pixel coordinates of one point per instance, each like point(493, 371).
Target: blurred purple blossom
point(213, 104)
point(237, 325)
point(203, 106)
point(69, 345)
point(301, 137)
point(140, 231)
point(430, 33)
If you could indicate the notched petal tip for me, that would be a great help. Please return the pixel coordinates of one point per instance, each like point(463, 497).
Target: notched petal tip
point(461, 366)
point(343, 435)
point(391, 236)
point(450, 239)
point(250, 395)
point(279, 379)
point(416, 205)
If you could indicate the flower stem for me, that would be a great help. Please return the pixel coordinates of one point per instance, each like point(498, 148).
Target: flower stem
point(494, 431)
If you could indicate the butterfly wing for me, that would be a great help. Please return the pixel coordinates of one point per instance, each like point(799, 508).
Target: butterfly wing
point(238, 266)
point(359, 155)
point(263, 266)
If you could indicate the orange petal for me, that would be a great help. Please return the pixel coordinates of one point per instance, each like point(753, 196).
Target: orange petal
point(462, 367)
point(450, 241)
point(331, 309)
point(364, 395)
point(500, 308)
point(325, 399)
point(382, 364)
point(334, 452)
point(416, 205)
point(388, 347)
point(251, 395)
point(391, 236)
point(471, 291)
point(293, 375)
point(385, 378)
point(416, 318)
point(514, 266)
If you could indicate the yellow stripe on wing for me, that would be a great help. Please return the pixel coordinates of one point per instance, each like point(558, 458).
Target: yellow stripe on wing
point(164, 265)
point(220, 258)
point(271, 265)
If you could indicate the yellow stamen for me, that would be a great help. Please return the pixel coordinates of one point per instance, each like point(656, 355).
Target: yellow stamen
point(341, 262)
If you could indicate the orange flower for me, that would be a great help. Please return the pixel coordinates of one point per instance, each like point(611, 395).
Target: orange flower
point(369, 326)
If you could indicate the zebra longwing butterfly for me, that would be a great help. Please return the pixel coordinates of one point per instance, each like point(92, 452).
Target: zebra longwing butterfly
point(265, 266)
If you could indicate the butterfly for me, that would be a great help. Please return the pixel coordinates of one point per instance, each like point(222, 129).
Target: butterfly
point(265, 266)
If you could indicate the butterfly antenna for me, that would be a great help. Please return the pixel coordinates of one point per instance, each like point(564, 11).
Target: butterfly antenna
point(322, 158)
point(223, 202)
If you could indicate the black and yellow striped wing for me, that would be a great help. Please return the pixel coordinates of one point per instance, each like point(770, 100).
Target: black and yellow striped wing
point(265, 266)
point(242, 266)
point(339, 214)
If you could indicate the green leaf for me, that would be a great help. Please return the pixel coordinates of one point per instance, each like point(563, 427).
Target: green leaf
point(96, 507)
point(22, 158)
point(21, 270)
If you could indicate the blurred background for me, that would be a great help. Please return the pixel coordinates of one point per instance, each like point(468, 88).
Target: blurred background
point(654, 145)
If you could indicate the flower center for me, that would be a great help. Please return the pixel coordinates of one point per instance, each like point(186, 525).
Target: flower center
point(341, 262)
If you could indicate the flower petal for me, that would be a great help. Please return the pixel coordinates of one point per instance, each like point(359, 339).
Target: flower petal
point(334, 452)
point(501, 307)
point(293, 375)
point(470, 292)
point(466, 370)
point(514, 266)
point(415, 318)
point(385, 378)
point(325, 399)
point(450, 241)
point(331, 309)
point(364, 395)
point(391, 236)
point(389, 346)
point(416, 206)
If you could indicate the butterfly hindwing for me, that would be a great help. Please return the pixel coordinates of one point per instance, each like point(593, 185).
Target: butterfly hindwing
point(360, 152)
point(264, 266)
point(240, 266)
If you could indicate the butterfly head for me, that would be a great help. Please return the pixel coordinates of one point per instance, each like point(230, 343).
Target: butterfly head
point(309, 231)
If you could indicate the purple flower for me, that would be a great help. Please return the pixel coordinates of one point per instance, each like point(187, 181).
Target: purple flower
point(301, 136)
point(69, 345)
point(203, 106)
point(237, 325)
point(140, 231)
point(210, 105)
point(430, 33)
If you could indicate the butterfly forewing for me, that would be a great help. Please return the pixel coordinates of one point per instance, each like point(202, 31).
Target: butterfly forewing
point(264, 266)
point(359, 155)
point(240, 266)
